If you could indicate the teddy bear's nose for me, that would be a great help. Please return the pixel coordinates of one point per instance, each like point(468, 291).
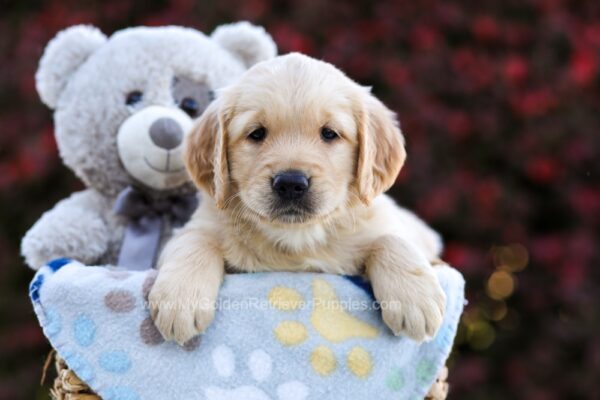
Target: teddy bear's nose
point(166, 133)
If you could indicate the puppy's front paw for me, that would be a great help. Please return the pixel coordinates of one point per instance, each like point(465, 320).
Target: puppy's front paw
point(415, 307)
point(180, 309)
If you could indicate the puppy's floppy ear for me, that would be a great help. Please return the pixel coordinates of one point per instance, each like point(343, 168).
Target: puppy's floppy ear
point(381, 152)
point(206, 154)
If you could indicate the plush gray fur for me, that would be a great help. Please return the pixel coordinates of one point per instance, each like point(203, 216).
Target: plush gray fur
point(85, 77)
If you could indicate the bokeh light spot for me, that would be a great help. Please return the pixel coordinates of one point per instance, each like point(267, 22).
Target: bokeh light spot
point(481, 335)
point(512, 258)
point(500, 285)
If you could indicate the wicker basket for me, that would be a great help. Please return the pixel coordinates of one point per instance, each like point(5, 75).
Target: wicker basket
point(67, 386)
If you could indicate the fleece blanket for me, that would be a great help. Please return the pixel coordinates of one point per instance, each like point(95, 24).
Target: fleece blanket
point(283, 336)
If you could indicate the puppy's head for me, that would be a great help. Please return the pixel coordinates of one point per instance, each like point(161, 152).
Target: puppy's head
point(295, 141)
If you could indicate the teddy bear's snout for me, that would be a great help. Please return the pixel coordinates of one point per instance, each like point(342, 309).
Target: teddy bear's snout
point(150, 145)
point(166, 133)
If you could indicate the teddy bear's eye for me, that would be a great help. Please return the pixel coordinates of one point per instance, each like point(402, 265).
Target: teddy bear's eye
point(133, 98)
point(190, 106)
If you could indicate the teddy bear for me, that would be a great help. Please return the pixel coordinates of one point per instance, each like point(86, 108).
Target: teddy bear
point(122, 107)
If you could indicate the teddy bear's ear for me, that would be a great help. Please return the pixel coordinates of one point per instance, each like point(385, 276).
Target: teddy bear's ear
point(247, 42)
point(62, 57)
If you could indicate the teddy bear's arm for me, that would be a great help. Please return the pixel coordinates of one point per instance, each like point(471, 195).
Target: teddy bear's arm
point(74, 228)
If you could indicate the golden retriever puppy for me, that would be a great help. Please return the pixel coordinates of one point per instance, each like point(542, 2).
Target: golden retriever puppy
point(293, 160)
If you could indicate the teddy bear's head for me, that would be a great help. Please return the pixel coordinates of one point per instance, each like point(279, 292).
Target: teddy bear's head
point(123, 104)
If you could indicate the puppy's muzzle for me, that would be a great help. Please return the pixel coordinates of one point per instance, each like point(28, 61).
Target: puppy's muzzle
point(290, 185)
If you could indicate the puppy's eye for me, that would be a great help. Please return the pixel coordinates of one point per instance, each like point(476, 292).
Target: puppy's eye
point(133, 98)
point(190, 106)
point(328, 135)
point(258, 135)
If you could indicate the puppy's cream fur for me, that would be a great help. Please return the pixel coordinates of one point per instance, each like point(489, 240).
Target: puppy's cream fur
point(351, 229)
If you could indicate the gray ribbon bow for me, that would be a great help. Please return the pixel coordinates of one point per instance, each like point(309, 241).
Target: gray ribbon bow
point(146, 214)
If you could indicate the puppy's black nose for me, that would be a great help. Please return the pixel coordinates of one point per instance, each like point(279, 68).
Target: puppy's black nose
point(290, 185)
point(166, 133)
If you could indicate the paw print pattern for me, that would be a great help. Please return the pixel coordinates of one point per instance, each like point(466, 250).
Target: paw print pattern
point(260, 365)
point(308, 343)
point(330, 321)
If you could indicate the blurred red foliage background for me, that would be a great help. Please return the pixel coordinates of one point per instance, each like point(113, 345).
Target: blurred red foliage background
point(500, 104)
